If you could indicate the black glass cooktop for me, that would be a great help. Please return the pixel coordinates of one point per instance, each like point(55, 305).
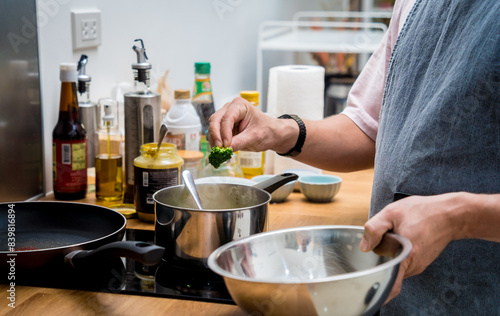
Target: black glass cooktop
point(126, 276)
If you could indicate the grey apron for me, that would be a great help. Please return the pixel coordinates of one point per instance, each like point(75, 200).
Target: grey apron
point(439, 132)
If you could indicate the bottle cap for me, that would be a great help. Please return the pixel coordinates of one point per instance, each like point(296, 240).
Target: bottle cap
point(141, 63)
point(67, 72)
point(202, 68)
point(182, 94)
point(251, 96)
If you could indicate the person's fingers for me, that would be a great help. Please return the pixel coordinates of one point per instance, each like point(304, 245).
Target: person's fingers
point(214, 129)
point(375, 229)
point(398, 283)
point(234, 114)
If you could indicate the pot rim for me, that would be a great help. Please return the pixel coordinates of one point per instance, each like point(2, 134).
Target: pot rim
point(156, 200)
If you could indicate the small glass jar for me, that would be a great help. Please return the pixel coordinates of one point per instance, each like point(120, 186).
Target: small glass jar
point(229, 168)
point(154, 171)
point(192, 161)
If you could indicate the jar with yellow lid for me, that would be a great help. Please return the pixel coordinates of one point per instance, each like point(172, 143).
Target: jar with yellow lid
point(251, 163)
point(153, 171)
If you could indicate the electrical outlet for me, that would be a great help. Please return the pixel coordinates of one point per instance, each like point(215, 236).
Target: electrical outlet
point(86, 28)
point(89, 29)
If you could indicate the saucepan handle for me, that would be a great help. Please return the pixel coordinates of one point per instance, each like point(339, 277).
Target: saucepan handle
point(276, 182)
point(146, 253)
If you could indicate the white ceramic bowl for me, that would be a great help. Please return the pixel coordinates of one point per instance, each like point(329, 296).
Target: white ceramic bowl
point(221, 179)
point(281, 193)
point(300, 173)
point(320, 188)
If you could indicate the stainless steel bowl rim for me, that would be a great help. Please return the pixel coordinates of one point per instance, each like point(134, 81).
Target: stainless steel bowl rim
point(211, 210)
point(405, 243)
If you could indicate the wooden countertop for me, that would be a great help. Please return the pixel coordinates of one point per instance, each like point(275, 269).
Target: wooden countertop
point(350, 207)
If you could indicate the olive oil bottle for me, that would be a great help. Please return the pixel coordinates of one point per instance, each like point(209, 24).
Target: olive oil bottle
point(108, 161)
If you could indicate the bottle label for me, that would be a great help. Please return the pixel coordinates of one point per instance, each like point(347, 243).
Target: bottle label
point(184, 141)
point(148, 181)
point(202, 87)
point(69, 165)
point(250, 159)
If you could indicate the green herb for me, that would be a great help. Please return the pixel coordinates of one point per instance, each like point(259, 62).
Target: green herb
point(219, 155)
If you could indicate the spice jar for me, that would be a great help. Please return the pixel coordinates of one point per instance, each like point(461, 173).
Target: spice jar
point(153, 171)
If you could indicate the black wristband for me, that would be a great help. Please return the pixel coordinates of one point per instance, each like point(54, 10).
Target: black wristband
point(297, 149)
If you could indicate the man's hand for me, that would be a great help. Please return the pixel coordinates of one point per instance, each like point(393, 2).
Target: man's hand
point(242, 126)
point(428, 222)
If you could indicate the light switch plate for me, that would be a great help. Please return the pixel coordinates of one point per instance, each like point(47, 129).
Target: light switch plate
point(86, 28)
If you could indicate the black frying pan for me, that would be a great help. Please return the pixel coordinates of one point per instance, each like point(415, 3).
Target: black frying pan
point(39, 234)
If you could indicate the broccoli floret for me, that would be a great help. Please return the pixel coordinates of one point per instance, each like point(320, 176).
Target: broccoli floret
point(219, 155)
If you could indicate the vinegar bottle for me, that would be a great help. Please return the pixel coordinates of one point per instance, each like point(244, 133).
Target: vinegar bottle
point(69, 142)
point(252, 163)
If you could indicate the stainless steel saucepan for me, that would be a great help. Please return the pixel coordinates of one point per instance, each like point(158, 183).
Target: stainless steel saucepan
point(231, 212)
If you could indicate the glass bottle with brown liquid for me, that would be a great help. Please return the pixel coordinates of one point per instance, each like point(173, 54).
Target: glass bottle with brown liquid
point(69, 141)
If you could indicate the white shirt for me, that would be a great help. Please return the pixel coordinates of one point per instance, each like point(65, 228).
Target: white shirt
point(365, 98)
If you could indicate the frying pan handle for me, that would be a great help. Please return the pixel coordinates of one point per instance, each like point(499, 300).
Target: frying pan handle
point(276, 182)
point(146, 253)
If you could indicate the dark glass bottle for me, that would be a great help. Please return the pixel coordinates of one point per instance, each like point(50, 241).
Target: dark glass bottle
point(69, 142)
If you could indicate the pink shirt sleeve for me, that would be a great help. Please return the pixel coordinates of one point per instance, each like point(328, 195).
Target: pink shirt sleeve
point(365, 98)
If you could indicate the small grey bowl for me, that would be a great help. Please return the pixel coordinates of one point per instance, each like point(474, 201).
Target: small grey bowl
point(282, 193)
point(320, 188)
point(300, 173)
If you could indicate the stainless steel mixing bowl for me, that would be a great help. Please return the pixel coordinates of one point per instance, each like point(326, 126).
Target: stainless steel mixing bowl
point(316, 270)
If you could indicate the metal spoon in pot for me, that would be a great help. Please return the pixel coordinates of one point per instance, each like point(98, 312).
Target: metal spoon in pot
point(189, 183)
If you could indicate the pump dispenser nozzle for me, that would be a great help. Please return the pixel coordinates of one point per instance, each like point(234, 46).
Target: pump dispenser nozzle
point(108, 114)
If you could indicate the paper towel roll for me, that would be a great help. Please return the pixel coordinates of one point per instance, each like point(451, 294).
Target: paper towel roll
point(295, 89)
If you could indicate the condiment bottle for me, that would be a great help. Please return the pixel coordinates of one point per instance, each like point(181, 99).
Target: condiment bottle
point(154, 170)
point(183, 123)
point(203, 100)
point(108, 159)
point(251, 163)
point(69, 141)
point(88, 110)
point(142, 117)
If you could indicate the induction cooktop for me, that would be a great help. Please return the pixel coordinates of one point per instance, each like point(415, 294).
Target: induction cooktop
point(126, 276)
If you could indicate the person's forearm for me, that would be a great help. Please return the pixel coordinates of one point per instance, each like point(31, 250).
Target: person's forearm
point(479, 217)
point(335, 144)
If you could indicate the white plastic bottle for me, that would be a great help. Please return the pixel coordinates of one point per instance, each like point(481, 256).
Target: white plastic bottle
point(183, 123)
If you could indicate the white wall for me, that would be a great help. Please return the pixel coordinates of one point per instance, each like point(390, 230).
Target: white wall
point(176, 34)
